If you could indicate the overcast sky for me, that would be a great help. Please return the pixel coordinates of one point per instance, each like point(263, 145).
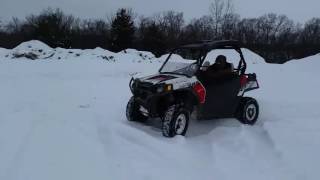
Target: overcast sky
point(301, 10)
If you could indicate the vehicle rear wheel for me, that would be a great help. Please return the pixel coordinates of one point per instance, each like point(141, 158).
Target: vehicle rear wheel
point(133, 113)
point(175, 121)
point(248, 111)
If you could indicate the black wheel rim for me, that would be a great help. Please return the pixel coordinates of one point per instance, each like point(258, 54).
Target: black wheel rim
point(251, 112)
point(181, 123)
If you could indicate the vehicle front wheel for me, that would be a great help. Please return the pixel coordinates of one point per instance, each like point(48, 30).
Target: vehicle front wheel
point(133, 113)
point(175, 121)
point(248, 111)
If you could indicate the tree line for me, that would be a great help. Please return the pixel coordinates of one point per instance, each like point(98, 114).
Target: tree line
point(275, 37)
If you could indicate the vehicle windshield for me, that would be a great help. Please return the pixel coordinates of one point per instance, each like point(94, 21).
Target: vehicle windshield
point(182, 61)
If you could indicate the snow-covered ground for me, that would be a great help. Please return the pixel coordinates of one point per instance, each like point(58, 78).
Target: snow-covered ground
point(63, 117)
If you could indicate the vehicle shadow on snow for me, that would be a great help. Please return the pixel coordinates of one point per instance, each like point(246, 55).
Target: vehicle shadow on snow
point(151, 126)
point(196, 127)
point(203, 127)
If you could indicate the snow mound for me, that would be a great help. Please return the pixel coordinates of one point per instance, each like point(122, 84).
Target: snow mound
point(304, 64)
point(103, 54)
point(63, 54)
point(97, 53)
point(33, 50)
point(4, 52)
point(142, 55)
point(163, 57)
point(173, 58)
point(252, 58)
point(38, 50)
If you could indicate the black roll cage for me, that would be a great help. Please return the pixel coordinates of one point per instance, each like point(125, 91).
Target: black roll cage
point(206, 46)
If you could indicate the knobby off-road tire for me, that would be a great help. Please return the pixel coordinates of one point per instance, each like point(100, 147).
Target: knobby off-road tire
point(175, 121)
point(248, 111)
point(133, 113)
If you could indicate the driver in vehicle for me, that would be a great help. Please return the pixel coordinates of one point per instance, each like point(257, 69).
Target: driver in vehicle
point(220, 70)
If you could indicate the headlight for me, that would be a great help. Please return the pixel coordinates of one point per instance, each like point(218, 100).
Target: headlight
point(168, 87)
point(160, 89)
point(164, 88)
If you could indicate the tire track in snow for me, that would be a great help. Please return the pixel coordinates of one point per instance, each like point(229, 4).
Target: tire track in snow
point(13, 169)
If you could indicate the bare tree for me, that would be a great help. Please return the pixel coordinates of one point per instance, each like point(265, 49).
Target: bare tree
point(198, 29)
point(171, 24)
point(311, 31)
point(51, 26)
point(220, 11)
point(14, 26)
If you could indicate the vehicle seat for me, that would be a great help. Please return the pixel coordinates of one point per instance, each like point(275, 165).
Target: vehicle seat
point(205, 66)
point(232, 66)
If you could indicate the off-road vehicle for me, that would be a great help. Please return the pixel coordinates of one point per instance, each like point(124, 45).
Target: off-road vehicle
point(178, 89)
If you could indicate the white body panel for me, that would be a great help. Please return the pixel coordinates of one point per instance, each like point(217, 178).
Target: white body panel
point(178, 81)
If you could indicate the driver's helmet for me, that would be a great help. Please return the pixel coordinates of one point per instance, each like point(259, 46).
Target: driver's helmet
point(221, 59)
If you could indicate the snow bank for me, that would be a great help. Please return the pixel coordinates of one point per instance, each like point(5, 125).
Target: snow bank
point(36, 50)
point(66, 120)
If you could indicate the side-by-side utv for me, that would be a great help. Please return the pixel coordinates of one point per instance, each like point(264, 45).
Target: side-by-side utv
point(180, 87)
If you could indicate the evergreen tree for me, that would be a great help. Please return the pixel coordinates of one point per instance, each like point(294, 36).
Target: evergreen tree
point(122, 30)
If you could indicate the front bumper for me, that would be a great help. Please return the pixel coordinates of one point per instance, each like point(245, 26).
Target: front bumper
point(151, 103)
